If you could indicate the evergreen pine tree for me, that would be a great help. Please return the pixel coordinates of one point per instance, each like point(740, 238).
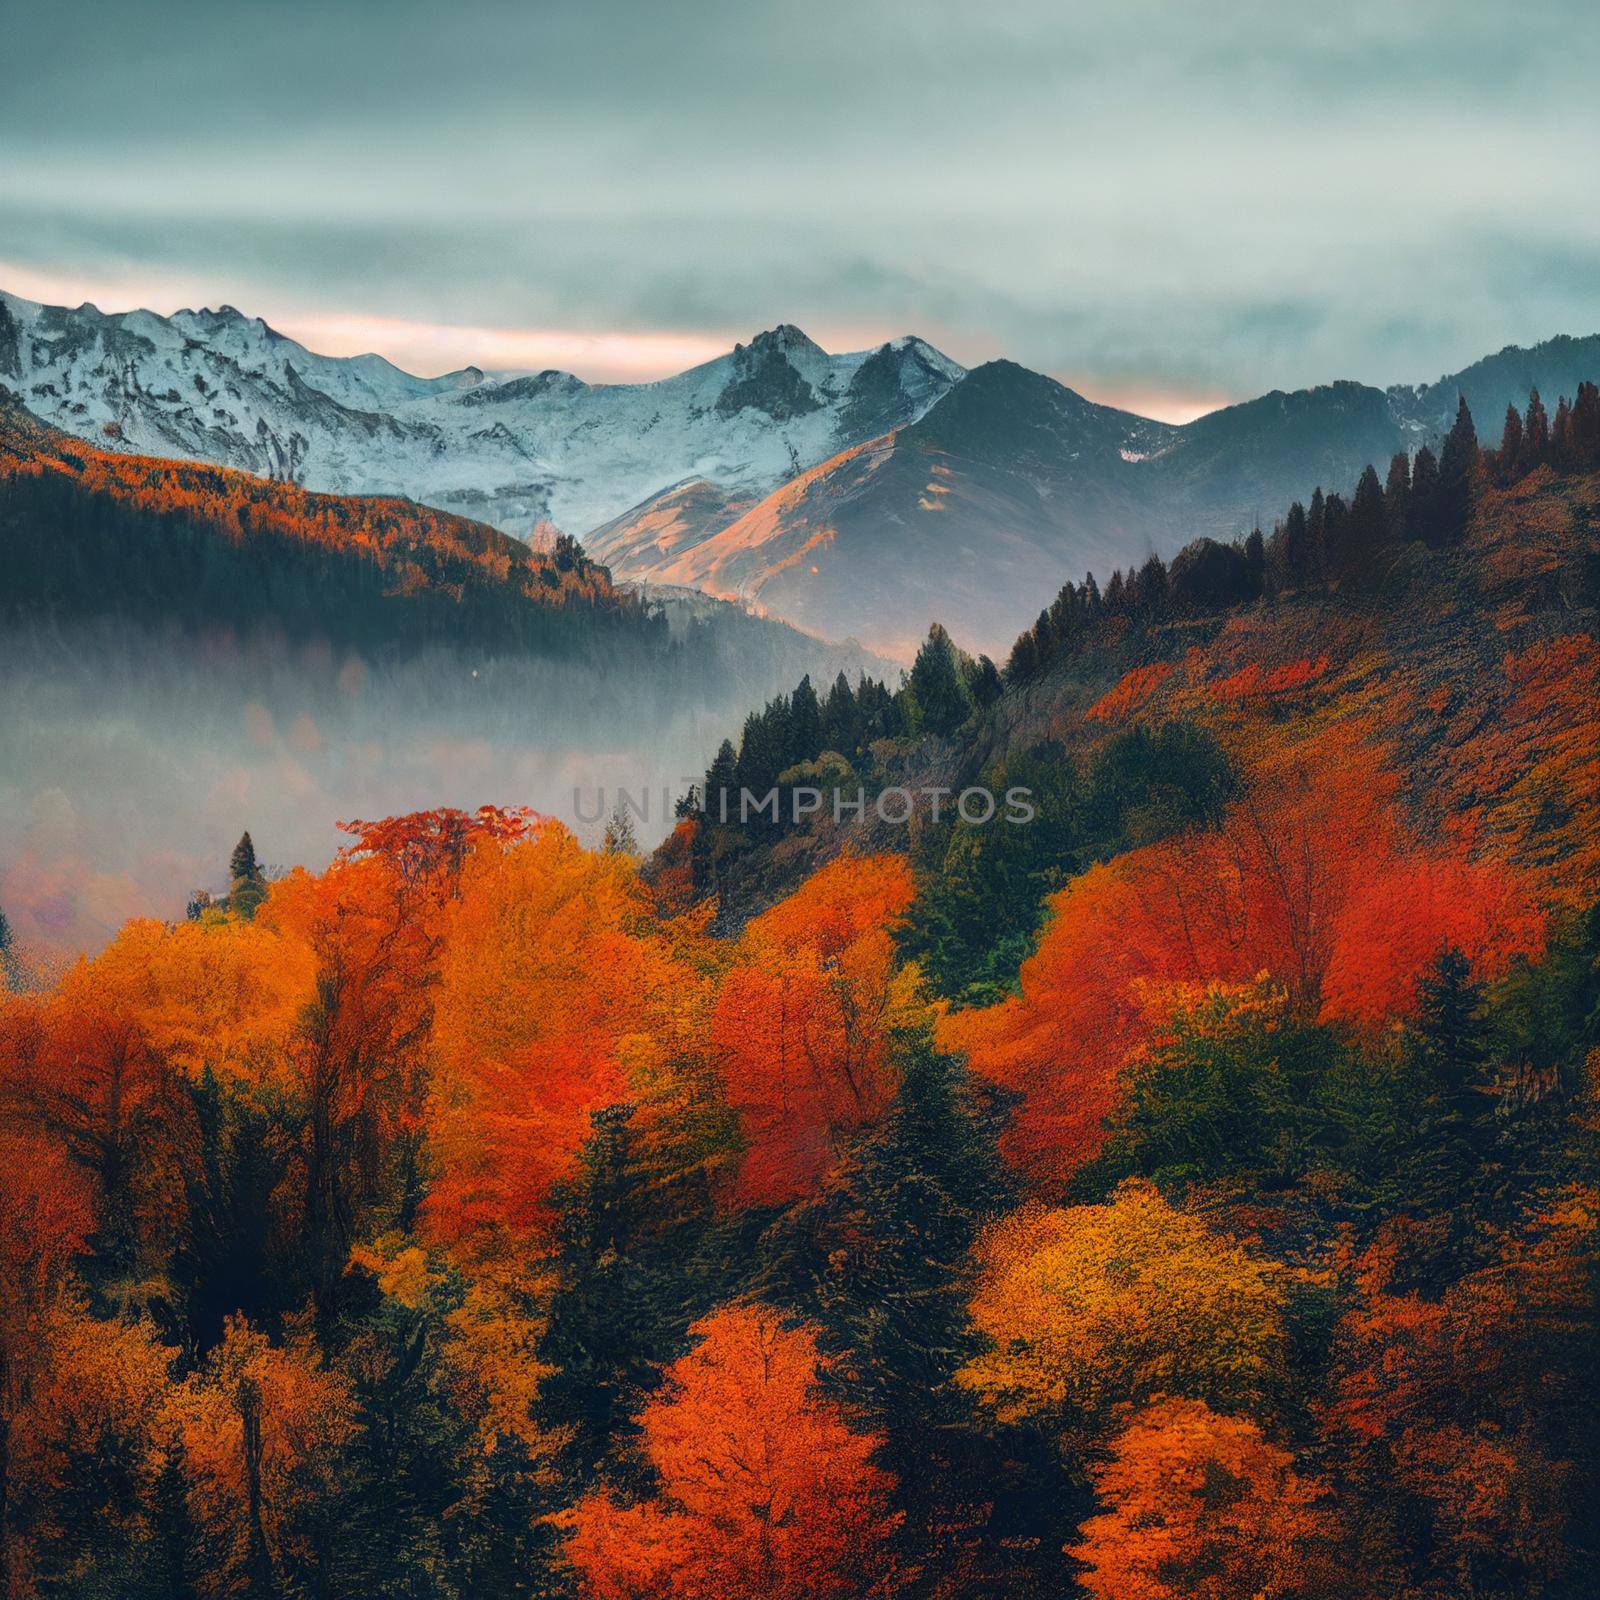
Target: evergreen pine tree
point(1448, 1167)
point(620, 839)
point(248, 882)
point(1316, 536)
point(1535, 435)
point(921, 1187)
point(883, 1263)
point(1457, 461)
point(1045, 641)
point(1150, 588)
point(1397, 496)
point(1335, 535)
point(1583, 429)
point(805, 723)
point(1510, 458)
point(10, 964)
point(630, 1276)
point(1366, 527)
point(721, 798)
point(984, 683)
point(1296, 545)
point(1022, 665)
point(1255, 558)
point(839, 718)
point(1560, 453)
point(1423, 522)
point(935, 691)
point(598, 1341)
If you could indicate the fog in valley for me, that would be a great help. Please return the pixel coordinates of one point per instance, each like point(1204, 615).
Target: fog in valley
point(131, 762)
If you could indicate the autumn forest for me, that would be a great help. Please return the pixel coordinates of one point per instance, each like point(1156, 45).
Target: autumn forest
point(1191, 1194)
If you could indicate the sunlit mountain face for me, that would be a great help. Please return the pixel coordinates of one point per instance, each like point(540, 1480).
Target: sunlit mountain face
point(973, 511)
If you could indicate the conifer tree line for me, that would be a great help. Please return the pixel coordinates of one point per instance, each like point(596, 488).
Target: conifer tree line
point(782, 743)
point(1568, 443)
point(1423, 499)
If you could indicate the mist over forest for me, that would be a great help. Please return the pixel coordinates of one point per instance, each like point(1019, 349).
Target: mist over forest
point(189, 653)
point(131, 760)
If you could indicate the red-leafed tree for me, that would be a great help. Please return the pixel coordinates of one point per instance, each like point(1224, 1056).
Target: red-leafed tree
point(766, 1493)
point(1202, 1507)
point(801, 1025)
point(559, 995)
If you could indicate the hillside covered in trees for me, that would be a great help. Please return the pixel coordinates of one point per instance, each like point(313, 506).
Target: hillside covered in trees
point(1187, 1194)
point(90, 532)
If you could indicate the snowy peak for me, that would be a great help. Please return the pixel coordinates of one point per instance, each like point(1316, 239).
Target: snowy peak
point(497, 392)
point(777, 373)
point(218, 385)
point(792, 343)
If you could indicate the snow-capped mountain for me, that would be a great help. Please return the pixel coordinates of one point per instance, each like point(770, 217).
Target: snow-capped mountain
point(219, 386)
point(859, 495)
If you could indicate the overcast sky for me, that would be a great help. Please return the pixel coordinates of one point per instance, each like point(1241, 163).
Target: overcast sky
point(1165, 205)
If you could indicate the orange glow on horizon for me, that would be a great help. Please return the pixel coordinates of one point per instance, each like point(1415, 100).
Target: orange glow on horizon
point(597, 356)
point(1162, 405)
point(430, 348)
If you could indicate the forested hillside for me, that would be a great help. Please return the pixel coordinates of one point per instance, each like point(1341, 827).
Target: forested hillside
point(88, 532)
point(1187, 1194)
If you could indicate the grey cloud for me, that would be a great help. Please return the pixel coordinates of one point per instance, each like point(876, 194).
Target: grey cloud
point(1232, 196)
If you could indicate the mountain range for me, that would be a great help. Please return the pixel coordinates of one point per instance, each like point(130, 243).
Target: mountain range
point(515, 452)
point(977, 511)
point(863, 494)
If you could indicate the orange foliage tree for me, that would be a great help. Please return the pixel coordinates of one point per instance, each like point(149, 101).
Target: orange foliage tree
point(800, 1031)
point(79, 1069)
point(1478, 1403)
point(559, 995)
point(79, 1445)
point(1094, 1307)
point(766, 1493)
point(259, 1430)
point(1202, 1507)
point(222, 996)
point(46, 1216)
point(359, 1059)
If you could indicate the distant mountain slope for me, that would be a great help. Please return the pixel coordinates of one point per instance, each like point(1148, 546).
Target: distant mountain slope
point(1553, 367)
point(888, 536)
point(1226, 469)
point(865, 494)
point(92, 533)
point(648, 539)
point(971, 514)
point(218, 386)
